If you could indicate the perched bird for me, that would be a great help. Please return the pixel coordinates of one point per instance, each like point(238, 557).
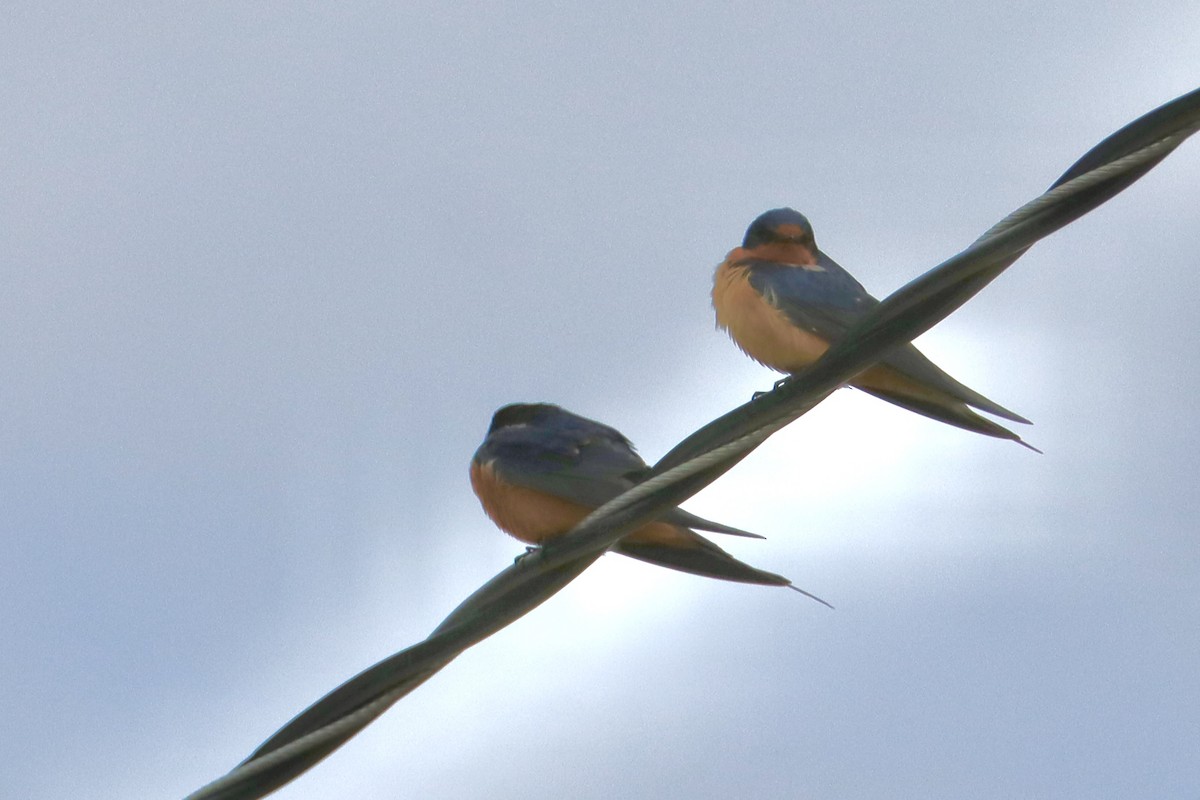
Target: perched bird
point(783, 302)
point(542, 469)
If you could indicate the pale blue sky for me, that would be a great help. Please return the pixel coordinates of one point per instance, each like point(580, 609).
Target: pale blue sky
point(267, 273)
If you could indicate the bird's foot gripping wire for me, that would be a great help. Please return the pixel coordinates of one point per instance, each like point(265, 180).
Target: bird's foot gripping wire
point(529, 551)
point(777, 385)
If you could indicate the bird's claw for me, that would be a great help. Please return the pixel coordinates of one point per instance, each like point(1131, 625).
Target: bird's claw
point(529, 550)
point(775, 387)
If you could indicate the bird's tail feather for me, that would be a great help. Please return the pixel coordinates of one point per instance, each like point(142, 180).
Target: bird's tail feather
point(958, 415)
point(911, 363)
point(687, 520)
point(974, 399)
point(706, 560)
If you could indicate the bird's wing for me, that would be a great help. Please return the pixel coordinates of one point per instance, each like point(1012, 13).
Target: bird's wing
point(824, 300)
point(827, 300)
point(912, 363)
point(706, 559)
point(702, 558)
point(588, 467)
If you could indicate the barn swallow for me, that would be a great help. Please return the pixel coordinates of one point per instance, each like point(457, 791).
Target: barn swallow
point(783, 302)
point(542, 469)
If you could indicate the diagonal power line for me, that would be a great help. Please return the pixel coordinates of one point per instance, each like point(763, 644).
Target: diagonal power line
point(1102, 173)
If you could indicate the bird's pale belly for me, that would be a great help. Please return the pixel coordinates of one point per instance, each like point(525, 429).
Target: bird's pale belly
point(761, 330)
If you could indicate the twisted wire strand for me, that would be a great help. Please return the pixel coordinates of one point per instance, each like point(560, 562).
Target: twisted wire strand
point(1052, 197)
point(1061, 192)
point(234, 783)
point(492, 607)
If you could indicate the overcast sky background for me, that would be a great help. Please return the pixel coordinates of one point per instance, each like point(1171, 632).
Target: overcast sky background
point(266, 273)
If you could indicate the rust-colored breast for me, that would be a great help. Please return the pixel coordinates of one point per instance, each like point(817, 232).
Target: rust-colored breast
point(761, 330)
point(527, 514)
point(536, 517)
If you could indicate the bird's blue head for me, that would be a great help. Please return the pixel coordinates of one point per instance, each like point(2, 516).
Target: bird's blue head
point(535, 414)
point(780, 226)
